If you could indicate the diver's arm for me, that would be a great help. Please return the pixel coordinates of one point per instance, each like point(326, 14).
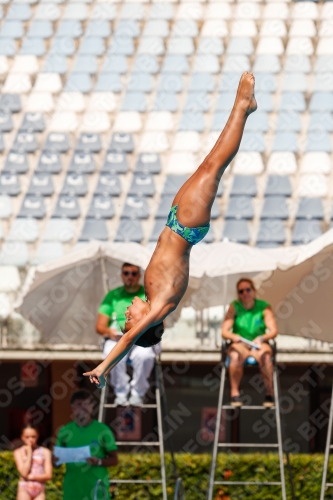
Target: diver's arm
point(124, 345)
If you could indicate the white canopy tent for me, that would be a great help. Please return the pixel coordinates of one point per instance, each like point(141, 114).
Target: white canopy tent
point(61, 298)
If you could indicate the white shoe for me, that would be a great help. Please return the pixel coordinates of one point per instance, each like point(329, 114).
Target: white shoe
point(121, 401)
point(135, 400)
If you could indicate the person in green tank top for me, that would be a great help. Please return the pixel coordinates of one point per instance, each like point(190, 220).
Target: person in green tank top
point(251, 319)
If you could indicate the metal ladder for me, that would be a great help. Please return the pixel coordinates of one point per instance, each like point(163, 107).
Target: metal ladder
point(179, 489)
point(328, 447)
point(217, 444)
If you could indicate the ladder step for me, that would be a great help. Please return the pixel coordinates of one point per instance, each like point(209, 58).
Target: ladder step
point(328, 485)
point(257, 483)
point(248, 445)
point(137, 481)
point(107, 405)
point(245, 407)
point(137, 443)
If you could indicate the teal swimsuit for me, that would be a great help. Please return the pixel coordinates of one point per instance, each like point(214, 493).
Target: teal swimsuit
point(191, 234)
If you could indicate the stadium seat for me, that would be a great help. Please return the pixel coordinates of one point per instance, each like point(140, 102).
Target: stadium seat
point(114, 63)
point(55, 63)
point(320, 122)
point(278, 185)
point(101, 207)
point(115, 163)
point(176, 45)
point(33, 46)
point(162, 11)
point(292, 101)
point(154, 142)
point(108, 82)
point(6, 121)
point(94, 229)
point(297, 64)
point(312, 185)
point(14, 254)
point(6, 208)
point(164, 206)
point(59, 230)
point(197, 101)
point(275, 207)
point(270, 45)
point(234, 64)
point(324, 64)
point(282, 163)
point(216, 26)
point(191, 120)
point(16, 162)
point(47, 251)
point(135, 208)
point(248, 163)
point(236, 231)
point(122, 142)
point(288, 121)
point(63, 46)
point(67, 207)
point(265, 102)
point(253, 141)
point(159, 225)
point(142, 185)
point(12, 29)
point(119, 45)
point(240, 45)
point(82, 162)
point(310, 208)
point(18, 12)
point(187, 141)
point(210, 45)
point(98, 28)
point(75, 185)
point(271, 231)
point(170, 82)
point(41, 184)
point(201, 82)
point(175, 63)
point(49, 161)
point(321, 101)
point(134, 101)
point(285, 141)
point(184, 27)
point(69, 28)
point(173, 183)
point(206, 63)
point(33, 206)
point(318, 141)
point(126, 27)
point(294, 82)
point(264, 63)
point(321, 84)
point(141, 82)
point(316, 163)
point(166, 101)
point(160, 120)
point(77, 11)
point(108, 185)
point(158, 27)
point(7, 47)
point(33, 122)
point(258, 122)
point(129, 230)
point(305, 231)
point(9, 184)
point(85, 63)
point(243, 28)
point(219, 120)
point(239, 207)
point(25, 141)
point(244, 185)
point(148, 163)
point(302, 27)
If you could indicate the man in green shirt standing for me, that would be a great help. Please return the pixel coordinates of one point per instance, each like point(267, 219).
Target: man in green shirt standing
point(251, 319)
point(81, 478)
point(111, 318)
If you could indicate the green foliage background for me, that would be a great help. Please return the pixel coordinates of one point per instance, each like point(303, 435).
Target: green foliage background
point(194, 469)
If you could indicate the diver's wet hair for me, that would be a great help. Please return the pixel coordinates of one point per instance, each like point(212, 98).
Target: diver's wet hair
point(152, 336)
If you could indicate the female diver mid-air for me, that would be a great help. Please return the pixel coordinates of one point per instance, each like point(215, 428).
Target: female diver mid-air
point(166, 277)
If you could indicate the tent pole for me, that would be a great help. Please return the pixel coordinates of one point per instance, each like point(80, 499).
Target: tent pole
point(104, 276)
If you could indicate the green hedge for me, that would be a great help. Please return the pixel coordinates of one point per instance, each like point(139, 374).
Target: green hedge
point(194, 469)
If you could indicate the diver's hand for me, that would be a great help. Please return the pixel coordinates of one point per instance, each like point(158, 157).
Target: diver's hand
point(96, 377)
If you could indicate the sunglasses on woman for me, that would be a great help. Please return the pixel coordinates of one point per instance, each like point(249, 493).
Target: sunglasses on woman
point(242, 290)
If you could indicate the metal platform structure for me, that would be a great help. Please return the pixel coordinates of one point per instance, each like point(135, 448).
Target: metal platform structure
point(159, 405)
point(324, 484)
point(218, 445)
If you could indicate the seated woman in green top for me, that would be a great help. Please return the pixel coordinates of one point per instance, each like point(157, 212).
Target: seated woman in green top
point(251, 319)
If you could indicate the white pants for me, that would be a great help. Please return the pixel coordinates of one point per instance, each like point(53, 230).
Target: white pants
point(142, 361)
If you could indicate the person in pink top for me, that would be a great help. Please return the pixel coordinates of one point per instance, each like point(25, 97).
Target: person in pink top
point(34, 464)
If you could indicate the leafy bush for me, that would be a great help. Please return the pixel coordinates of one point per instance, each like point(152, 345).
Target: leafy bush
point(194, 470)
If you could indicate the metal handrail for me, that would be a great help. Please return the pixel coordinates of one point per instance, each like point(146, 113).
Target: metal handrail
point(179, 490)
point(99, 484)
